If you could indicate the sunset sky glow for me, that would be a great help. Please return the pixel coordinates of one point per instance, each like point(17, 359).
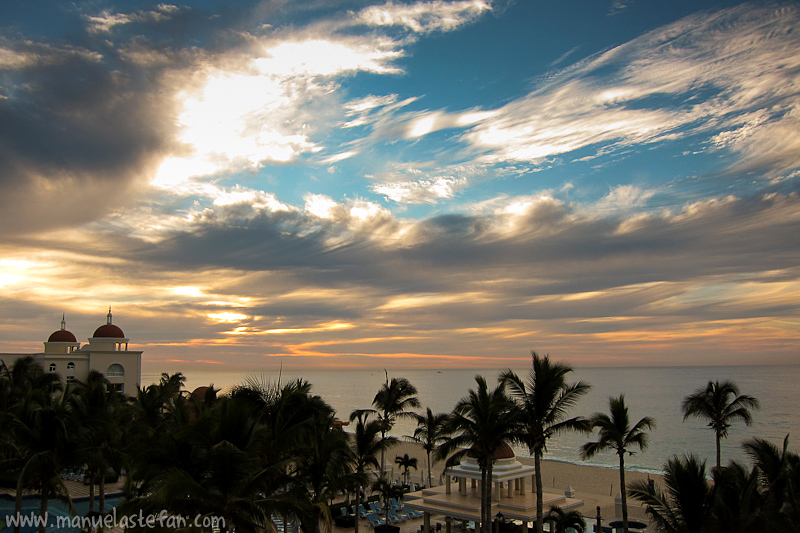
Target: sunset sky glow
point(444, 184)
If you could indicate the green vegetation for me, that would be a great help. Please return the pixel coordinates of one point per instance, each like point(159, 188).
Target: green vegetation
point(265, 450)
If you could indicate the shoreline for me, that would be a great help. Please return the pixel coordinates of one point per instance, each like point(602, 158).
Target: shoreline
point(596, 485)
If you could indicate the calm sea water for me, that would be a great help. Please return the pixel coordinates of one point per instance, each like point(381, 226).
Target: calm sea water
point(655, 392)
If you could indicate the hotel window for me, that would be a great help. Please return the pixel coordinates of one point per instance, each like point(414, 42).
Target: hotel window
point(70, 372)
point(52, 367)
point(115, 371)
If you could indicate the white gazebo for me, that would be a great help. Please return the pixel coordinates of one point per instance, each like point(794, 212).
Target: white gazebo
point(510, 496)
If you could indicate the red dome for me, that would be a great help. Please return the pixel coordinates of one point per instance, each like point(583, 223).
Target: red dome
point(200, 393)
point(109, 331)
point(62, 335)
point(503, 451)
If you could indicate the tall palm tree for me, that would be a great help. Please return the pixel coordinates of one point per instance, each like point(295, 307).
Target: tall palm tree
point(720, 403)
point(687, 504)
point(365, 446)
point(543, 401)
point(100, 415)
point(392, 401)
point(481, 422)
point(616, 433)
point(430, 433)
point(405, 462)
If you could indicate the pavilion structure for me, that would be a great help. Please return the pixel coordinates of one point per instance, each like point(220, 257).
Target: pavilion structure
point(459, 499)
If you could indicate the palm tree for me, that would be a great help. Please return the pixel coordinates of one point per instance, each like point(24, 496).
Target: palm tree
point(365, 446)
point(393, 401)
point(43, 438)
point(778, 471)
point(720, 403)
point(615, 433)
point(100, 415)
point(738, 503)
point(322, 471)
point(430, 433)
point(543, 401)
point(212, 466)
point(405, 462)
point(387, 491)
point(481, 422)
point(565, 519)
point(687, 504)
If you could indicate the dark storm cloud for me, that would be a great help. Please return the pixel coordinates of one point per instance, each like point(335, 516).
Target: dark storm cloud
point(552, 250)
point(86, 110)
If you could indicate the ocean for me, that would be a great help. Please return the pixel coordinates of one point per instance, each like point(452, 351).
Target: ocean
point(649, 391)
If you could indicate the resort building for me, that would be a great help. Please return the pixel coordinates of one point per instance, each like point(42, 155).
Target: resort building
point(459, 500)
point(106, 352)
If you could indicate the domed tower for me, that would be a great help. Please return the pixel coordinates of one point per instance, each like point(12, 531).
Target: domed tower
point(109, 337)
point(61, 341)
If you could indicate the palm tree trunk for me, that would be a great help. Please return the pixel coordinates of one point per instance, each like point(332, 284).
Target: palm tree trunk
point(623, 492)
point(91, 498)
point(18, 503)
point(383, 467)
point(486, 497)
point(358, 502)
point(43, 510)
point(102, 495)
point(718, 454)
point(537, 461)
point(430, 479)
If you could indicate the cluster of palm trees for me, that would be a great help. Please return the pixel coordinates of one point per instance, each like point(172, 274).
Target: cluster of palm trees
point(764, 496)
point(266, 450)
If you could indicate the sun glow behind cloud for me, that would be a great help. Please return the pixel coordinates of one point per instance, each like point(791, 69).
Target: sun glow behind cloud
point(312, 199)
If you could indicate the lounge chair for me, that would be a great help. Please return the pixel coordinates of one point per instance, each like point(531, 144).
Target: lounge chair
point(362, 512)
point(412, 513)
point(375, 507)
point(394, 517)
point(375, 520)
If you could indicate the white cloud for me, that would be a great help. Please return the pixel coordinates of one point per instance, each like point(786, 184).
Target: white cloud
point(624, 197)
point(421, 191)
point(744, 57)
point(106, 21)
point(423, 17)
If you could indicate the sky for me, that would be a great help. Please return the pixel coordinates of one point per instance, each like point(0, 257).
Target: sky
point(389, 184)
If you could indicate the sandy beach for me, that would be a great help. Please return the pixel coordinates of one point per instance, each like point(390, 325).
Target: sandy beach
point(596, 486)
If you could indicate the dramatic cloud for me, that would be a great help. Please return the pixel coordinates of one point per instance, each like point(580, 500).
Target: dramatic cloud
point(430, 183)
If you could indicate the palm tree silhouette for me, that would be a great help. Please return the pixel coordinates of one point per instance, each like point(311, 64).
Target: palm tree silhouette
point(365, 446)
point(430, 433)
point(543, 400)
point(392, 401)
point(720, 403)
point(481, 422)
point(405, 462)
point(615, 433)
point(687, 504)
